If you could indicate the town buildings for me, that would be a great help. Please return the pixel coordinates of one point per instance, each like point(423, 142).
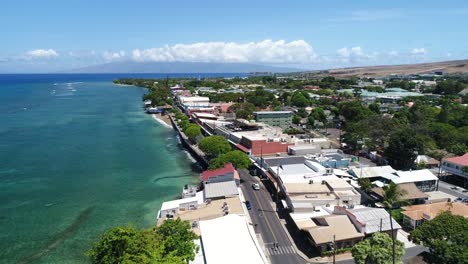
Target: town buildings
point(281, 119)
point(457, 166)
point(415, 215)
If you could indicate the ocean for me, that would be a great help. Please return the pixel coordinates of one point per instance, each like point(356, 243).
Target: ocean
point(77, 156)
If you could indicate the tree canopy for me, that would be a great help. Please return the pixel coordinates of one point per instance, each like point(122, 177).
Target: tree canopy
point(446, 236)
point(170, 243)
point(261, 98)
point(213, 146)
point(239, 159)
point(192, 131)
point(377, 250)
point(403, 148)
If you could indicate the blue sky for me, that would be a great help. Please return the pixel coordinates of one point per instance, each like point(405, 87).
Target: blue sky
point(39, 36)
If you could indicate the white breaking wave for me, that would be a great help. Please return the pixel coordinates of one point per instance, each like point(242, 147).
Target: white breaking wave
point(190, 157)
point(160, 121)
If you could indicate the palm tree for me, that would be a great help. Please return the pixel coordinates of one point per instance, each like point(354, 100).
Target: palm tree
point(365, 184)
point(391, 199)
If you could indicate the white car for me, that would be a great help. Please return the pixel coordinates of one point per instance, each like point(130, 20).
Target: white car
point(256, 186)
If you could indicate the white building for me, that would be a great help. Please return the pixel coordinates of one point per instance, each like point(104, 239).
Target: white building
point(230, 239)
point(456, 166)
point(309, 184)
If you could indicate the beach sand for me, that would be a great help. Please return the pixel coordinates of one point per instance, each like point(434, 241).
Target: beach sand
point(163, 120)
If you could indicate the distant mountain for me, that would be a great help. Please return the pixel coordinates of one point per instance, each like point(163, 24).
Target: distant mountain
point(448, 67)
point(179, 67)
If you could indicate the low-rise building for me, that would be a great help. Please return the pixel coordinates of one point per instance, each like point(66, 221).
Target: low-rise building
point(229, 240)
point(330, 230)
point(415, 215)
point(457, 166)
point(368, 220)
point(281, 119)
point(308, 184)
point(228, 173)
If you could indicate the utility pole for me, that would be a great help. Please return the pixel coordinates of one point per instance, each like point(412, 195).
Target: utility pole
point(393, 237)
point(334, 248)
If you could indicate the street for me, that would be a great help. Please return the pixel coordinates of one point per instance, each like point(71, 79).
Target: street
point(264, 216)
point(447, 188)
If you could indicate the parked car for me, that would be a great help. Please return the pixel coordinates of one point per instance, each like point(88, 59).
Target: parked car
point(256, 186)
point(248, 205)
point(454, 188)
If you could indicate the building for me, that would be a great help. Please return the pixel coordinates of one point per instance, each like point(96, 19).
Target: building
point(409, 192)
point(308, 184)
point(281, 119)
point(423, 179)
point(230, 239)
point(415, 215)
point(170, 209)
point(372, 173)
point(330, 230)
point(193, 101)
point(220, 190)
point(368, 220)
point(228, 173)
point(457, 166)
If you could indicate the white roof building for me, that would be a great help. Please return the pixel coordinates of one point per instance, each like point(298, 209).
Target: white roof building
point(411, 176)
point(371, 172)
point(230, 240)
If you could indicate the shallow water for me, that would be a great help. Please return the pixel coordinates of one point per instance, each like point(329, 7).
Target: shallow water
point(77, 157)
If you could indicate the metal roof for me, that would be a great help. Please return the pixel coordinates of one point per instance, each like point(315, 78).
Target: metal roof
point(371, 217)
point(221, 189)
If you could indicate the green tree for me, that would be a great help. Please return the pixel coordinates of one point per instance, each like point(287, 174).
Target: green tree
point(192, 131)
point(239, 159)
point(130, 245)
point(213, 146)
point(299, 99)
point(446, 236)
point(261, 98)
point(377, 250)
point(365, 184)
point(403, 147)
point(296, 119)
point(178, 239)
point(374, 107)
point(354, 111)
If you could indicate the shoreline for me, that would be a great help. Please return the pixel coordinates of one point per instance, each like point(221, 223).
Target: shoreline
point(164, 121)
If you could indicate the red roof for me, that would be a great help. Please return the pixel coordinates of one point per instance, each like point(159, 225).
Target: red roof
point(228, 168)
point(462, 160)
point(242, 148)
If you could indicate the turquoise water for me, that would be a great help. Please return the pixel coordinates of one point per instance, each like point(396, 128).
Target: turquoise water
point(75, 159)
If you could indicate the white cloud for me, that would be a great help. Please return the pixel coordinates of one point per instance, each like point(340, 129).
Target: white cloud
point(81, 53)
point(393, 53)
point(112, 56)
point(41, 53)
point(354, 54)
point(266, 51)
point(419, 51)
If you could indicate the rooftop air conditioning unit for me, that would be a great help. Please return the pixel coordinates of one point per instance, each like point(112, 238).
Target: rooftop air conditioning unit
point(323, 182)
point(311, 181)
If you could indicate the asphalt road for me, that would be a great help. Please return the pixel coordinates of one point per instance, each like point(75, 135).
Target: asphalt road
point(267, 223)
point(447, 188)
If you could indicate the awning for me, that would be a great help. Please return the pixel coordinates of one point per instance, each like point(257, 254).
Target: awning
point(242, 148)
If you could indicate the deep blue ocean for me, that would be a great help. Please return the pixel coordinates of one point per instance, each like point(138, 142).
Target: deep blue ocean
point(78, 155)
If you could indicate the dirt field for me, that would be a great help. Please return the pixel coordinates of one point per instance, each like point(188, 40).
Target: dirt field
point(458, 66)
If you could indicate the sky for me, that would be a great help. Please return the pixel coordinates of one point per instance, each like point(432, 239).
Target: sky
point(50, 36)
